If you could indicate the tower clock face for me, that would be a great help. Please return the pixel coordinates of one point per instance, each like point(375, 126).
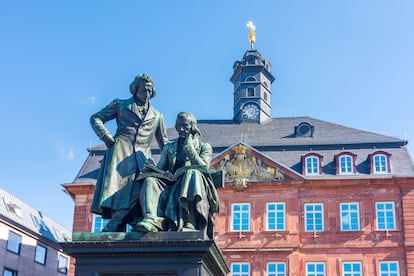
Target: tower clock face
point(250, 111)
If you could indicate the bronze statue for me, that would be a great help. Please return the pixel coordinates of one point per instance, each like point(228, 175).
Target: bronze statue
point(178, 194)
point(138, 123)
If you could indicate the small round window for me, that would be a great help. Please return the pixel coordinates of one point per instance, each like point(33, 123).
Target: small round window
point(304, 129)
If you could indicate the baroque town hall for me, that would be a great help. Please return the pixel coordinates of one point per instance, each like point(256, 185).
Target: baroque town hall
point(302, 196)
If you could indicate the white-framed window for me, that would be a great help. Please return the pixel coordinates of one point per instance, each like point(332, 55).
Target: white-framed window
point(276, 269)
point(98, 223)
point(9, 272)
point(63, 264)
point(311, 162)
point(385, 212)
point(312, 165)
point(13, 243)
point(315, 269)
point(389, 268)
point(380, 162)
point(240, 217)
point(313, 217)
point(351, 269)
point(276, 216)
point(240, 269)
point(40, 254)
point(346, 164)
point(349, 216)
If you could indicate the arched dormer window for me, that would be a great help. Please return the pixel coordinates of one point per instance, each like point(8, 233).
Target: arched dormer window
point(345, 163)
point(250, 78)
point(312, 164)
point(380, 162)
point(250, 92)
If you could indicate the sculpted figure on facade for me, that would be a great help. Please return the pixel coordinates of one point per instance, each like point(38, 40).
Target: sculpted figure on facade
point(138, 124)
point(243, 169)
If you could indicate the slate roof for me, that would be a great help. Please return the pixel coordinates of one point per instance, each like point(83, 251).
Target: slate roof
point(277, 140)
point(21, 215)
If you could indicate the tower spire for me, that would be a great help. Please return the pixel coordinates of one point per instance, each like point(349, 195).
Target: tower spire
point(252, 34)
point(252, 81)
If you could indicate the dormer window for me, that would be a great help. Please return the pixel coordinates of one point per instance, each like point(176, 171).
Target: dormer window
point(380, 162)
point(345, 163)
point(304, 129)
point(251, 60)
point(312, 164)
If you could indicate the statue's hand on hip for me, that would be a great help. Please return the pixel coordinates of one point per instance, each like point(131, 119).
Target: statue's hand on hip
point(108, 140)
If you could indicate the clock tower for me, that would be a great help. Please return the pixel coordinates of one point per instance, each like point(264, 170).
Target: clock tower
point(252, 81)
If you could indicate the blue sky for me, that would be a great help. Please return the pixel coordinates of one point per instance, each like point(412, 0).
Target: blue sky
point(346, 62)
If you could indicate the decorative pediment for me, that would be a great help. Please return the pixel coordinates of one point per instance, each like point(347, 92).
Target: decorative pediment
point(243, 165)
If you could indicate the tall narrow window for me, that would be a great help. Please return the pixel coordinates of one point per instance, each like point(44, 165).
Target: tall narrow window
point(275, 216)
point(314, 217)
point(276, 269)
point(385, 215)
point(351, 269)
point(349, 216)
point(40, 254)
point(315, 269)
point(389, 269)
point(312, 165)
point(14, 242)
point(345, 164)
point(240, 269)
point(63, 263)
point(250, 92)
point(240, 217)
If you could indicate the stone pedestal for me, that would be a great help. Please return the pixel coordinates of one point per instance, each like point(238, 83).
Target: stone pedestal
point(150, 254)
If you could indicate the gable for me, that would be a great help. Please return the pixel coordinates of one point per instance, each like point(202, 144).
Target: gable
point(244, 166)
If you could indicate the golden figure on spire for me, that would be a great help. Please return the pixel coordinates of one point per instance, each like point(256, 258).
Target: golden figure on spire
point(252, 34)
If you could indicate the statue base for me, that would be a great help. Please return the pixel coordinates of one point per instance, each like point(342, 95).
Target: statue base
point(145, 254)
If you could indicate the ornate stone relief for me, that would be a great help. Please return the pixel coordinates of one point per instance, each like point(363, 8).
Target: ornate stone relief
point(242, 169)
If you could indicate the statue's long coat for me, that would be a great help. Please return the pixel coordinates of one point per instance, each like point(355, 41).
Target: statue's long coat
point(125, 159)
point(194, 185)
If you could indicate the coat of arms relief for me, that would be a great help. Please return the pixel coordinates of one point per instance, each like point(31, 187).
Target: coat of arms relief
point(241, 168)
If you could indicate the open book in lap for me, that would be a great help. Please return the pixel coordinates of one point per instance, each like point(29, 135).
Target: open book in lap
point(154, 171)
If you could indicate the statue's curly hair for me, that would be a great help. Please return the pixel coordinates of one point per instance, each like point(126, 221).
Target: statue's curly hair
point(141, 77)
point(192, 119)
